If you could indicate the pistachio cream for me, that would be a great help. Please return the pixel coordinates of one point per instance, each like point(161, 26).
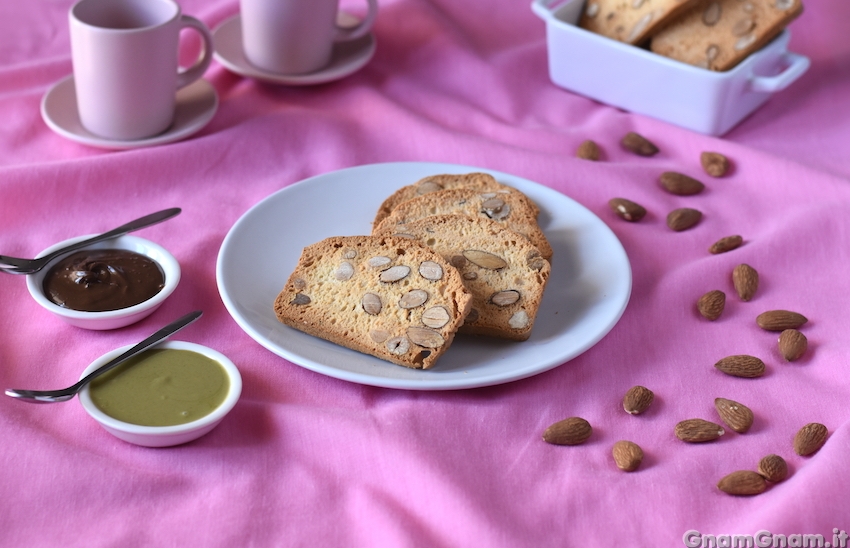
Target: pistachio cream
point(161, 387)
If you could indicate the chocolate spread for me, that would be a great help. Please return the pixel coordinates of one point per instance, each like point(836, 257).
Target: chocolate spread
point(96, 280)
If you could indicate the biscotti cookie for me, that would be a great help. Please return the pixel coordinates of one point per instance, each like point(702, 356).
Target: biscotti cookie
point(719, 34)
point(433, 183)
point(380, 295)
point(504, 272)
point(508, 207)
point(630, 21)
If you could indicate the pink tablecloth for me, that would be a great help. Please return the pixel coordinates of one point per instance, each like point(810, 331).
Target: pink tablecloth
point(308, 460)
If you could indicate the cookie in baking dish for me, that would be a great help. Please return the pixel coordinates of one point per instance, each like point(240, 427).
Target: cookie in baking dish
point(630, 21)
point(719, 34)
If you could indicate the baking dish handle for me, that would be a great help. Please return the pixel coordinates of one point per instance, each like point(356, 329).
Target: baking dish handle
point(797, 65)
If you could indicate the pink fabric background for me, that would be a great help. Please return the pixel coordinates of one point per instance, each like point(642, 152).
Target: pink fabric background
point(306, 460)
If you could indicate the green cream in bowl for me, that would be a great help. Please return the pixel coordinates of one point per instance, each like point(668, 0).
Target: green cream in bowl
point(171, 394)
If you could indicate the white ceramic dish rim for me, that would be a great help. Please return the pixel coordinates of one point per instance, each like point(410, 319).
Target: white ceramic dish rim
point(166, 261)
point(233, 394)
point(266, 238)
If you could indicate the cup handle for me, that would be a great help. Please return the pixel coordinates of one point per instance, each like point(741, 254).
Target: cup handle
point(362, 29)
point(189, 75)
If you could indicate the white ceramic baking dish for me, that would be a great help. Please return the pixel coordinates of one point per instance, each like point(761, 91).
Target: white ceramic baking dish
point(637, 80)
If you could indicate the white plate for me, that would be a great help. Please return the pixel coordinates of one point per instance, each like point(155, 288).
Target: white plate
point(587, 291)
point(196, 105)
point(348, 57)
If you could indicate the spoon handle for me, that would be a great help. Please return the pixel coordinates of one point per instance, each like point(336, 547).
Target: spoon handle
point(141, 222)
point(52, 396)
point(169, 329)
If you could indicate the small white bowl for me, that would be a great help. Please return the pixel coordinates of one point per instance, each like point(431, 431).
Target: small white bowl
point(165, 436)
point(110, 319)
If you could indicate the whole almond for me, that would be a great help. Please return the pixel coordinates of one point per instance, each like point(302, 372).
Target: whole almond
point(737, 416)
point(639, 144)
point(680, 184)
point(746, 281)
point(698, 430)
point(627, 455)
point(725, 244)
point(683, 218)
point(741, 365)
point(588, 150)
point(810, 438)
point(637, 399)
point(711, 304)
point(627, 209)
point(714, 163)
point(570, 431)
point(780, 320)
point(792, 344)
point(773, 468)
point(743, 482)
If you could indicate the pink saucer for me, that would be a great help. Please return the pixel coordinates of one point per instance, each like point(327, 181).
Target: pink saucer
point(348, 57)
point(196, 105)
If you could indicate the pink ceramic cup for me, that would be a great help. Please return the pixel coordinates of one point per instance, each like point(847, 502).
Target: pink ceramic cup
point(295, 36)
point(126, 71)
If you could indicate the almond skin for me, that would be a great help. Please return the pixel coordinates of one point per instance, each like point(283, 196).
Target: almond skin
point(711, 304)
point(714, 163)
point(698, 430)
point(792, 344)
point(639, 144)
point(741, 365)
point(725, 244)
point(627, 209)
point(746, 281)
point(637, 400)
point(743, 483)
point(773, 468)
point(588, 150)
point(737, 416)
point(780, 320)
point(810, 438)
point(570, 431)
point(683, 218)
point(680, 184)
point(627, 455)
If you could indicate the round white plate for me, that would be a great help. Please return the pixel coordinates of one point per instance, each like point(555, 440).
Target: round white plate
point(587, 292)
point(348, 57)
point(196, 105)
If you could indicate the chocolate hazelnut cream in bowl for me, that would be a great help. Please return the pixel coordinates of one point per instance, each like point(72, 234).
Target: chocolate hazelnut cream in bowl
point(108, 285)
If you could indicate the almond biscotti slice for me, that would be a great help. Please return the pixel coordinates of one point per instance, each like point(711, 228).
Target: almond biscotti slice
point(630, 21)
point(385, 296)
point(433, 183)
point(719, 34)
point(508, 207)
point(504, 272)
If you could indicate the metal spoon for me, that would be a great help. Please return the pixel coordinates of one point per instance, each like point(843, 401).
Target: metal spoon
point(53, 396)
point(15, 265)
